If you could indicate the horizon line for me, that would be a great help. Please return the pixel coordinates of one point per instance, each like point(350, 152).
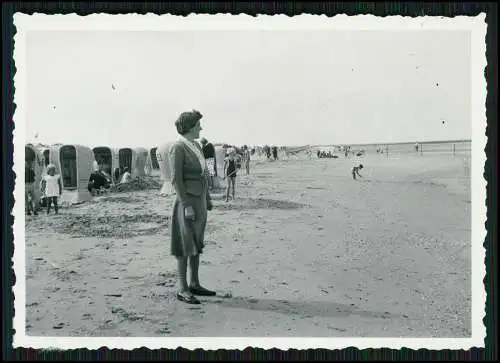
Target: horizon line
point(294, 145)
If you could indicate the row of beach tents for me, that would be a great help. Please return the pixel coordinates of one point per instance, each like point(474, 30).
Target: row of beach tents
point(76, 163)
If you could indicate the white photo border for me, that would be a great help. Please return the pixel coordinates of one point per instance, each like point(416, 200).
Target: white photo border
point(151, 22)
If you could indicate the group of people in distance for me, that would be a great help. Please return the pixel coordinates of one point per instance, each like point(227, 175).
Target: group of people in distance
point(234, 159)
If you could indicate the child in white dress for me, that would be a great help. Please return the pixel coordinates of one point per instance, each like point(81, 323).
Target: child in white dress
point(51, 187)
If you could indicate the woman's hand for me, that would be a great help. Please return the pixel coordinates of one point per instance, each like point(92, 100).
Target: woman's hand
point(189, 212)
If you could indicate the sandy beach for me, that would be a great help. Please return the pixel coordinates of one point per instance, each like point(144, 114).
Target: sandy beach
point(304, 250)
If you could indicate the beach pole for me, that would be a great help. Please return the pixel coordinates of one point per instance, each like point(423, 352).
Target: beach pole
point(387, 151)
point(453, 150)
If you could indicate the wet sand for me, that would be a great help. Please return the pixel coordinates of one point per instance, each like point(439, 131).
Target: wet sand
point(304, 250)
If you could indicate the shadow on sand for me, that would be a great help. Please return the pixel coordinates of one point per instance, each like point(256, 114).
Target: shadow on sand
point(259, 203)
point(307, 309)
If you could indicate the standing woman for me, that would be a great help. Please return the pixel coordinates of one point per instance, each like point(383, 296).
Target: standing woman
point(189, 215)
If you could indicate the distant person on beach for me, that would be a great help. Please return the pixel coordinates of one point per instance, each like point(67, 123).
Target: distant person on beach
point(246, 158)
point(209, 154)
point(192, 201)
point(355, 171)
point(126, 176)
point(51, 187)
point(267, 151)
point(275, 153)
point(230, 171)
point(29, 189)
point(98, 181)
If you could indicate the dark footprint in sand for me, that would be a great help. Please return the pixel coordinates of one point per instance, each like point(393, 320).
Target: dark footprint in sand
point(58, 326)
point(164, 331)
point(234, 281)
point(87, 316)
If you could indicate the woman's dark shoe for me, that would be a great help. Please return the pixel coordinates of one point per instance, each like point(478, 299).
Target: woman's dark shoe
point(190, 299)
point(201, 291)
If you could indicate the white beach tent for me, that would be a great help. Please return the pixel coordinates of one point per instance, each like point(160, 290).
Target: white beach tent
point(74, 163)
point(35, 158)
point(162, 156)
point(152, 162)
point(107, 158)
point(220, 154)
point(140, 161)
point(127, 157)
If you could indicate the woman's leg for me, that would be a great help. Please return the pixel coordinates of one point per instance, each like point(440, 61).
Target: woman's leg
point(56, 207)
point(194, 285)
point(233, 182)
point(194, 266)
point(182, 272)
point(227, 190)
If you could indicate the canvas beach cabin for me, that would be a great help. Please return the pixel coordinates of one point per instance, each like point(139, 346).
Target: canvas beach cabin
point(45, 152)
point(107, 160)
point(34, 157)
point(139, 168)
point(127, 157)
point(162, 155)
point(220, 154)
point(75, 164)
point(152, 161)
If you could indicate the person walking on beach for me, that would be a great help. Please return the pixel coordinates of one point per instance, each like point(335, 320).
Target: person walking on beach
point(355, 171)
point(209, 154)
point(29, 189)
point(189, 213)
point(51, 187)
point(230, 172)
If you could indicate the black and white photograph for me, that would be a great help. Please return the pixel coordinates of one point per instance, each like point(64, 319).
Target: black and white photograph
point(225, 181)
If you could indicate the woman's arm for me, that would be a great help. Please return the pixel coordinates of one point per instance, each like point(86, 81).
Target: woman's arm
point(176, 155)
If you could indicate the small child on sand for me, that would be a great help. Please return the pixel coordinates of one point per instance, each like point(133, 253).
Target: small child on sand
point(355, 171)
point(230, 171)
point(51, 187)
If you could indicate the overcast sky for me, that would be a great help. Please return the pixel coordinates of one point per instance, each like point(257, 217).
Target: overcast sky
point(253, 87)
